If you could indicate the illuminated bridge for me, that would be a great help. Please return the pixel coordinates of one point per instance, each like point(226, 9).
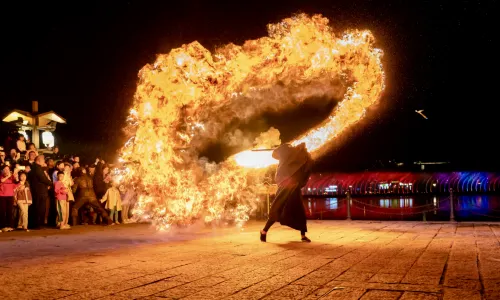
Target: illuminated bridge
point(373, 183)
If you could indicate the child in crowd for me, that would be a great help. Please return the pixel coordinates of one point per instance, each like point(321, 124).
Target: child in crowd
point(68, 181)
point(23, 199)
point(114, 201)
point(62, 201)
point(21, 144)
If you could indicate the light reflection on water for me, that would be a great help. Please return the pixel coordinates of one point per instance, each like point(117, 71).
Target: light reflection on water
point(435, 208)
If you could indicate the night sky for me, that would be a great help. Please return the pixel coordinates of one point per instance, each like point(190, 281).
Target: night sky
point(81, 58)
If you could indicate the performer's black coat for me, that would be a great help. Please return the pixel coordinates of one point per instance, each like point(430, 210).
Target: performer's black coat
point(292, 174)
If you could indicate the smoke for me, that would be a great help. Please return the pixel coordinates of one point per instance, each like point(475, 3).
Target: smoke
point(236, 139)
point(221, 121)
point(268, 139)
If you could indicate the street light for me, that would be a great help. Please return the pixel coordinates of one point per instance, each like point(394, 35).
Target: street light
point(48, 139)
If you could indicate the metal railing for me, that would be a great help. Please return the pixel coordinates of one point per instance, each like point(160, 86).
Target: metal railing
point(348, 204)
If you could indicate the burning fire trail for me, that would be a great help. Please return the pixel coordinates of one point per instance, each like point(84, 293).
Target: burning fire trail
point(187, 97)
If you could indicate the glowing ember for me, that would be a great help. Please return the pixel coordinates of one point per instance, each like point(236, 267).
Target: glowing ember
point(187, 97)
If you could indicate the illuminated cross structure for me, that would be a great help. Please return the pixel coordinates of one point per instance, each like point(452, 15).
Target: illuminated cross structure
point(36, 122)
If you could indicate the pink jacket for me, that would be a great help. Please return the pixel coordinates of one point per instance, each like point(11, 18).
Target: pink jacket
point(60, 191)
point(7, 187)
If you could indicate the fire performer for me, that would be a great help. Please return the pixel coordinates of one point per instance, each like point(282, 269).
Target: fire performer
point(86, 195)
point(292, 174)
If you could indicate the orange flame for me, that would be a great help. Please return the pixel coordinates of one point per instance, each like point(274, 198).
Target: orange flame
point(184, 100)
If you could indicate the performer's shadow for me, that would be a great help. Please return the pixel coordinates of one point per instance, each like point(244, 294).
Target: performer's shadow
point(291, 245)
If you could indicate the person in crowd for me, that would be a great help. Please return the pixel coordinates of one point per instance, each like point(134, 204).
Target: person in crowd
point(51, 167)
point(21, 144)
point(23, 199)
point(86, 195)
point(17, 169)
point(291, 175)
point(68, 183)
point(92, 170)
point(3, 159)
point(128, 202)
point(76, 170)
point(40, 183)
point(113, 202)
point(76, 159)
point(14, 157)
point(101, 179)
point(50, 208)
point(61, 193)
point(60, 167)
point(31, 157)
point(32, 147)
point(7, 185)
point(56, 155)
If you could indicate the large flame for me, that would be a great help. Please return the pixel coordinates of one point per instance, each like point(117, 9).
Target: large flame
point(185, 100)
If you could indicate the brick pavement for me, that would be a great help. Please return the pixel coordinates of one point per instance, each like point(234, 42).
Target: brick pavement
point(347, 260)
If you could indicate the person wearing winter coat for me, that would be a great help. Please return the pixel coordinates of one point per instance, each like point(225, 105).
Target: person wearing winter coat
point(40, 184)
point(23, 199)
point(114, 201)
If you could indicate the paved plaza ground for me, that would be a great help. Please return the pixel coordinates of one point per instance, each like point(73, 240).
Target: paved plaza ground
point(346, 260)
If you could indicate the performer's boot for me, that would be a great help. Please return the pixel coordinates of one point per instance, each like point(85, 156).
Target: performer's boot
point(263, 236)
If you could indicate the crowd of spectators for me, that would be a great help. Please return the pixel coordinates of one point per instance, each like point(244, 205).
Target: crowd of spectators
point(53, 190)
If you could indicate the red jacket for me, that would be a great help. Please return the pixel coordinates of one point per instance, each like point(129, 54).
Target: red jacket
point(7, 187)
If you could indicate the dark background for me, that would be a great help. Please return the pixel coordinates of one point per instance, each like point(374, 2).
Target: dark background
point(81, 58)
